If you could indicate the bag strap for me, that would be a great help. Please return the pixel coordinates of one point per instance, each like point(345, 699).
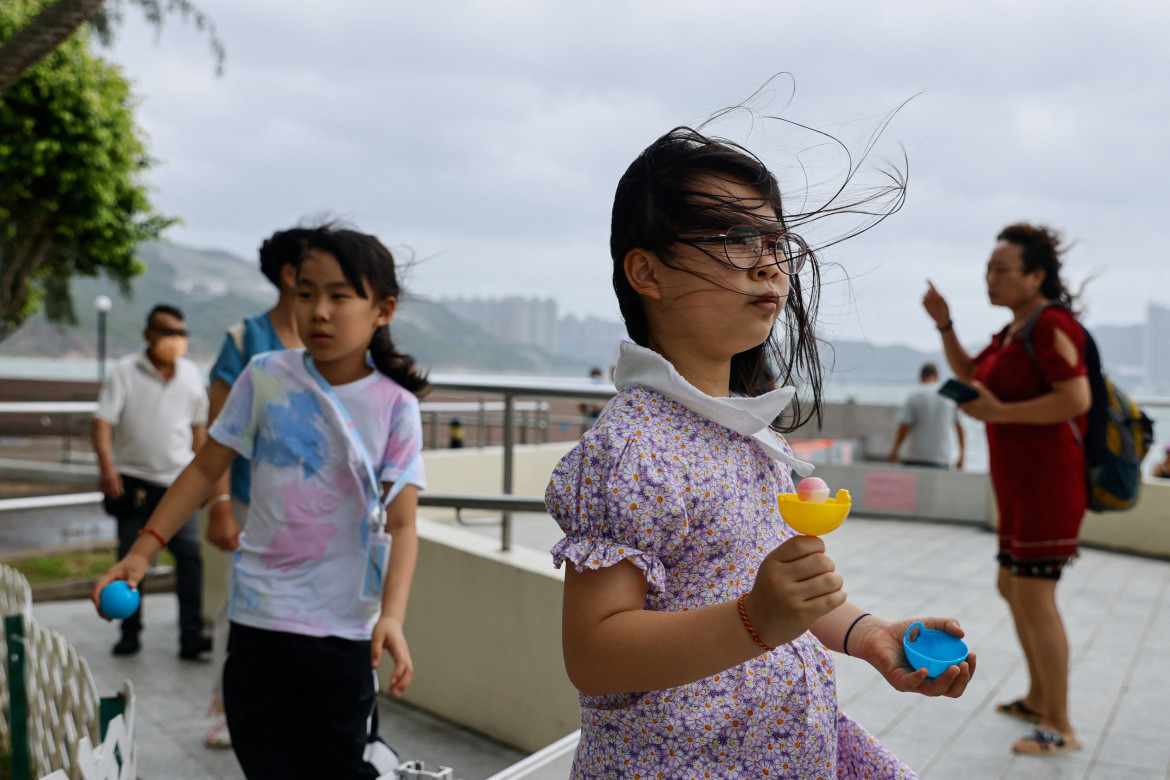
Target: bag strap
point(355, 442)
point(237, 335)
point(1025, 338)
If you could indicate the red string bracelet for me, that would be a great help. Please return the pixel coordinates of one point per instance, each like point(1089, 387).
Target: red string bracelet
point(748, 625)
point(155, 534)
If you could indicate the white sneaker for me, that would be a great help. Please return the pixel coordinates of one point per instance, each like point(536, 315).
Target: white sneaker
point(383, 758)
point(217, 734)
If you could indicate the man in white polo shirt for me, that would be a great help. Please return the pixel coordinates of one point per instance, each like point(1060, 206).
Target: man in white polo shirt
point(151, 417)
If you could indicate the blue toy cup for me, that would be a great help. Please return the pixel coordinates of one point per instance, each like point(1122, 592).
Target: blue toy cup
point(118, 600)
point(935, 651)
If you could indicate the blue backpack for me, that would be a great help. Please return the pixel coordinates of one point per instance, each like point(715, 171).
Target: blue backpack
point(1119, 433)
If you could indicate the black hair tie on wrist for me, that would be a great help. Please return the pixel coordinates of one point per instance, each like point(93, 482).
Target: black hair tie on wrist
point(845, 644)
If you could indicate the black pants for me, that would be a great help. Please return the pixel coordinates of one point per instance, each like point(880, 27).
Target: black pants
point(299, 706)
point(132, 509)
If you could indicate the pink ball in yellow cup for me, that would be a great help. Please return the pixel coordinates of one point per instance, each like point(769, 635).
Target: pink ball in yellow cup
point(813, 490)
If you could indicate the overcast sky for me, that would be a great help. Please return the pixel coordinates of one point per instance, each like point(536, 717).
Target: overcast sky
point(486, 138)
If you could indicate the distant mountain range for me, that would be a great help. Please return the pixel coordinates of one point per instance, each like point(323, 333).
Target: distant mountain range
point(217, 289)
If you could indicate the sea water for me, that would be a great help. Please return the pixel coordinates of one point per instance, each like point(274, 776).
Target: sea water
point(836, 392)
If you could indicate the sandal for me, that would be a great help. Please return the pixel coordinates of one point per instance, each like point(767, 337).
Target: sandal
point(1044, 743)
point(1017, 709)
point(217, 734)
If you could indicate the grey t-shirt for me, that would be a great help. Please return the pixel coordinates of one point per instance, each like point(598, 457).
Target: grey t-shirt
point(932, 419)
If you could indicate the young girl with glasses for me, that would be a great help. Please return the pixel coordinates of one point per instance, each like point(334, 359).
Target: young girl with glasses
point(697, 625)
point(323, 570)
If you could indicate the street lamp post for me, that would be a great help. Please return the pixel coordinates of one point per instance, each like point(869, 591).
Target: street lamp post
point(103, 304)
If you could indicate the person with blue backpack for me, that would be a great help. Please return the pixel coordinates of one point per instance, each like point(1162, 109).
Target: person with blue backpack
point(1032, 380)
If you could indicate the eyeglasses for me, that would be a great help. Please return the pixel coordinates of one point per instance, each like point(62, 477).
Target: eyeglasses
point(744, 246)
point(170, 331)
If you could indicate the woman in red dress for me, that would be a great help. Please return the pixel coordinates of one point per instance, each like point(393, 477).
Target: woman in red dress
point(1034, 410)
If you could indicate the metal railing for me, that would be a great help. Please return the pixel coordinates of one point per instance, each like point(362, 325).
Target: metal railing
point(526, 398)
point(511, 390)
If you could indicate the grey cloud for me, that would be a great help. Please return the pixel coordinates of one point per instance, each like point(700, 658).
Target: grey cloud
point(489, 136)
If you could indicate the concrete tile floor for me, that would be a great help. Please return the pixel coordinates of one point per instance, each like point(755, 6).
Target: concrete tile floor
point(1116, 607)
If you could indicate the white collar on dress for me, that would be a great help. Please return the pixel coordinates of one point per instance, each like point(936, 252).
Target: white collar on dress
point(751, 417)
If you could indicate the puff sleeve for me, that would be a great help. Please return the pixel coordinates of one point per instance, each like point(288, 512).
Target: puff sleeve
point(616, 499)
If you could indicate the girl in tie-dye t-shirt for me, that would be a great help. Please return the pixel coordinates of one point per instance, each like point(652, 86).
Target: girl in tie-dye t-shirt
point(697, 625)
point(322, 574)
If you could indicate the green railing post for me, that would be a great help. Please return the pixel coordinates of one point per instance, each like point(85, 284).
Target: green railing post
point(17, 698)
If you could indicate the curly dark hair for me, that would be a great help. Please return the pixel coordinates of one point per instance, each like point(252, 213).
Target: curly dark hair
point(284, 247)
point(1042, 247)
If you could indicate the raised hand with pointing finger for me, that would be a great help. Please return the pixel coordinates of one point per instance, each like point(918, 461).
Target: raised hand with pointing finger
point(936, 306)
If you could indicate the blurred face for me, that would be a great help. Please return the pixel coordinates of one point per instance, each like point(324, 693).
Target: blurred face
point(1007, 283)
point(709, 301)
point(166, 337)
point(335, 323)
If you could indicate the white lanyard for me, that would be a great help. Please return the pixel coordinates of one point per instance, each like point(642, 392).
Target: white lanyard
point(355, 440)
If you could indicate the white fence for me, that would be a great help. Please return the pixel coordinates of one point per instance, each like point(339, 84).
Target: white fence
point(52, 717)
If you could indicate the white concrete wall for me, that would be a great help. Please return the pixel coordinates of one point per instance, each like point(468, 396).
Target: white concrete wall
point(484, 628)
point(482, 470)
point(887, 490)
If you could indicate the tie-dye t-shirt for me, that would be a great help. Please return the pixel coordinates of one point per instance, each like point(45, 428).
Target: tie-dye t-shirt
point(301, 559)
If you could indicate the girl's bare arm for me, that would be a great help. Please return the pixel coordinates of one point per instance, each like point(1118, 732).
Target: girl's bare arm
point(400, 524)
point(612, 644)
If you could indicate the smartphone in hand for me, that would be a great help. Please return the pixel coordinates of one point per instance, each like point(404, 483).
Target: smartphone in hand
point(958, 392)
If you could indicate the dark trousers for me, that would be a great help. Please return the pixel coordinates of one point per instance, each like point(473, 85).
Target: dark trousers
point(132, 509)
point(299, 706)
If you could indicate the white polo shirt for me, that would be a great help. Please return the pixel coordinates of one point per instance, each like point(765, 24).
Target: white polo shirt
point(152, 417)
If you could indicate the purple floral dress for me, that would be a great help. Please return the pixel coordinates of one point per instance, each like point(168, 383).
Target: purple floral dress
point(693, 505)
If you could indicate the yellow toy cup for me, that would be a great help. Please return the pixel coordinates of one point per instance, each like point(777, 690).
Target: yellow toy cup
point(812, 519)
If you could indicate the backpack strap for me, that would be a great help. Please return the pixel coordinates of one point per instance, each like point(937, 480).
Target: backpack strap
point(1025, 338)
point(237, 333)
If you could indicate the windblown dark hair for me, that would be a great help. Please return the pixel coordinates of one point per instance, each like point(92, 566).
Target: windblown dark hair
point(365, 260)
point(1042, 247)
point(284, 247)
point(659, 198)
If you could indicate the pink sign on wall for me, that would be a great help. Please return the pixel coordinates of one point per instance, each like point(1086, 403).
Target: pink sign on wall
point(893, 491)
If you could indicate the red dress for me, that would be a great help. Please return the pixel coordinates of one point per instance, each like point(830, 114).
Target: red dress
point(1038, 471)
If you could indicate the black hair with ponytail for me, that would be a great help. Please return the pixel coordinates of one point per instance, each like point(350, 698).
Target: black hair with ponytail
point(364, 260)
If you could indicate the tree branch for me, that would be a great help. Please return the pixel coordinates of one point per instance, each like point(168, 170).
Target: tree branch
point(36, 40)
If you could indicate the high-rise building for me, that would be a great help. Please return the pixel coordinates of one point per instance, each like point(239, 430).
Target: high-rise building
point(531, 322)
point(1156, 346)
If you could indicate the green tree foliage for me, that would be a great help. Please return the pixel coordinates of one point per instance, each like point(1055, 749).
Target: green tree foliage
point(73, 200)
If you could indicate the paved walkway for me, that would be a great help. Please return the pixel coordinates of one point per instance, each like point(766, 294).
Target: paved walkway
point(173, 696)
point(1117, 608)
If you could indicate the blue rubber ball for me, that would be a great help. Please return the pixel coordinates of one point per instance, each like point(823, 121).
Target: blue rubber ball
point(118, 600)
